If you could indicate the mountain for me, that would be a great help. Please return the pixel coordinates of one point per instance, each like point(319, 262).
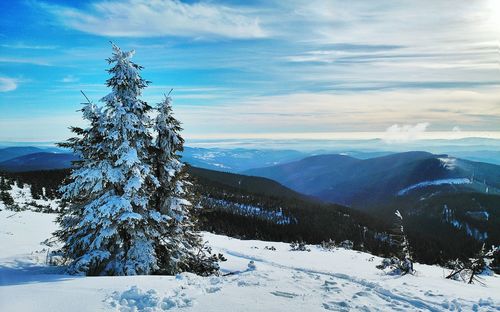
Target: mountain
point(238, 159)
point(16, 151)
point(363, 183)
point(449, 204)
point(38, 161)
point(250, 184)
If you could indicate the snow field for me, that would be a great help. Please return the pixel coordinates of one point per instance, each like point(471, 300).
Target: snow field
point(281, 280)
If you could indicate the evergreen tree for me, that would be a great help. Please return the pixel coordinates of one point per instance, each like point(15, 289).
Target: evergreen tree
point(107, 229)
point(4, 184)
point(401, 262)
point(5, 196)
point(182, 248)
point(128, 211)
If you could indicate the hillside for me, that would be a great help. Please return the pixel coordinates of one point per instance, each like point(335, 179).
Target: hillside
point(450, 205)
point(251, 208)
point(251, 184)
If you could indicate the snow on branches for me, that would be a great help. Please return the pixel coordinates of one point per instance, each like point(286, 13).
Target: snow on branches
point(128, 211)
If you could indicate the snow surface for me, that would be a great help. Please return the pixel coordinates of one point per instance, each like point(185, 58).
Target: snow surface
point(280, 280)
point(454, 181)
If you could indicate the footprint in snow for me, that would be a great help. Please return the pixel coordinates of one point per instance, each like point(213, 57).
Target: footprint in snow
point(336, 306)
point(284, 294)
point(247, 282)
point(360, 294)
point(212, 289)
point(330, 286)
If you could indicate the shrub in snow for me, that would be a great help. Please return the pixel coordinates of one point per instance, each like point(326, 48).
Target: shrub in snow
point(6, 198)
point(347, 244)
point(328, 245)
point(127, 211)
point(272, 248)
point(469, 270)
point(298, 246)
point(401, 263)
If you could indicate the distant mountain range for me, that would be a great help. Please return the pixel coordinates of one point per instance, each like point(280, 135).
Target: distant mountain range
point(365, 183)
point(231, 160)
point(16, 151)
point(38, 161)
point(239, 159)
point(236, 160)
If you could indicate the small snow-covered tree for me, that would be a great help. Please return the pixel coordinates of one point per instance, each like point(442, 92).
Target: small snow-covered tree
point(182, 248)
point(401, 262)
point(106, 227)
point(5, 196)
point(469, 270)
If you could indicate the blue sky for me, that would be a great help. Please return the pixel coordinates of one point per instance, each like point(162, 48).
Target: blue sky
point(271, 69)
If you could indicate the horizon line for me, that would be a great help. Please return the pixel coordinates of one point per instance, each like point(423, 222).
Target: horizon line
point(402, 137)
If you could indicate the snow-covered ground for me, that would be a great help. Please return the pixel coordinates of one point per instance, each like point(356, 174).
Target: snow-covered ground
point(281, 280)
point(454, 181)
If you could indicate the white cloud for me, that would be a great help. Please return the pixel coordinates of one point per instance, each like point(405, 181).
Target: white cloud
point(456, 129)
point(7, 84)
point(69, 78)
point(141, 18)
point(405, 133)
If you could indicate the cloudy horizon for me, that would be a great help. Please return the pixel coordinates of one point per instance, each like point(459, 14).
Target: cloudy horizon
point(268, 69)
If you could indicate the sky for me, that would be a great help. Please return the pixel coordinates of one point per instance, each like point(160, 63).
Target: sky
point(403, 70)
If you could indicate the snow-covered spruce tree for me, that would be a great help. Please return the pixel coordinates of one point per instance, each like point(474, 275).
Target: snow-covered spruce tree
point(182, 249)
point(401, 263)
point(108, 228)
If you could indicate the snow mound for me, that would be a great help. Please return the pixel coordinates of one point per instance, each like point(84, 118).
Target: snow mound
point(134, 299)
point(455, 181)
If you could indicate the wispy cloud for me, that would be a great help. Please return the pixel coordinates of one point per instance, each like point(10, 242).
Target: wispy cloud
point(7, 84)
point(317, 66)
point(141, 18)
point(371, 111)
point(24, 46)
point(32, 61)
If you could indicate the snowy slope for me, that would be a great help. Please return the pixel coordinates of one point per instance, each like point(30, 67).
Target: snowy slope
point(282, 280)
point(455, 181)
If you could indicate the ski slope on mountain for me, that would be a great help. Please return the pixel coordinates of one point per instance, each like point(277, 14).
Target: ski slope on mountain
point(275, 280)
